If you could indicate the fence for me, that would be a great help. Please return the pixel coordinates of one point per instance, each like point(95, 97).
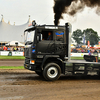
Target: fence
point(20, 53)
point(13, 53)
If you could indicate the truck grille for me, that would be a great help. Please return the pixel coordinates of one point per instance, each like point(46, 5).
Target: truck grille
point(27, 52)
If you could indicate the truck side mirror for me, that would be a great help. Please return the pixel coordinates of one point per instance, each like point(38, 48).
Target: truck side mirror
point(39, 37)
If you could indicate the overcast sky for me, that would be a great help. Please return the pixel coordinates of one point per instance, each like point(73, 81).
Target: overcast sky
point(18, 11)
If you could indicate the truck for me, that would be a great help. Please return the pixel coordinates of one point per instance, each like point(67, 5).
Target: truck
point(48, 52)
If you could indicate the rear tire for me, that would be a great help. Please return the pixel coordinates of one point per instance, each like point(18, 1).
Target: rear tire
point(51, 71)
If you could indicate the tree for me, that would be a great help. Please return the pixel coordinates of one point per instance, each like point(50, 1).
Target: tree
point(91, 35)
point(77, 36)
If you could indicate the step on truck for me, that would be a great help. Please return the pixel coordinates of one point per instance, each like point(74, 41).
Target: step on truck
point(48, 51)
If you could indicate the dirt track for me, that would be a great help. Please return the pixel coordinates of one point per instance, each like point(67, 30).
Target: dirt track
point(10, 62)
point(26, 85)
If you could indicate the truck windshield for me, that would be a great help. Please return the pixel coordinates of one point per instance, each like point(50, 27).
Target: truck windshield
point(29, 36)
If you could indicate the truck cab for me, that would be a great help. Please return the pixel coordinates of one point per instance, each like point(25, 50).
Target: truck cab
point(46, 44)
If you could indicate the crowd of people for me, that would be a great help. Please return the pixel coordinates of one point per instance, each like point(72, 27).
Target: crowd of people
point(85, 50)
point(11, 48)
point(73, 50)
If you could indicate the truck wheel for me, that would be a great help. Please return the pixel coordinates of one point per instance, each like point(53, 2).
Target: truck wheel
point(51, 71)
point(39, 73)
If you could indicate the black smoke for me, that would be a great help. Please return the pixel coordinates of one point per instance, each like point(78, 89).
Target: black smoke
point(72, 7)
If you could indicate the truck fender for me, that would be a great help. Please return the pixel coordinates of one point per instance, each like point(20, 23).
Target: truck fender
point(46, 57)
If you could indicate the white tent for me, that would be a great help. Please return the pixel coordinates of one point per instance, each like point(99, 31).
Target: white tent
point(14, 43)
point(12, 32)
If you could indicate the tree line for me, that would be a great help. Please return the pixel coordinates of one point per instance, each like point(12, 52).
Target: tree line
point(82, 37)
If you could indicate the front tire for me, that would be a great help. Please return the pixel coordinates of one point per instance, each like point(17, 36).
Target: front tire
point(51, 71)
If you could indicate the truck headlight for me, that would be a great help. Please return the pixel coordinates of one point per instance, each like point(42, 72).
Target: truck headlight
point(32, 61)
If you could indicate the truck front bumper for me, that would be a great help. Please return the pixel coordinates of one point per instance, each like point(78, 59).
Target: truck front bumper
point(30, 67)
point(30, 64)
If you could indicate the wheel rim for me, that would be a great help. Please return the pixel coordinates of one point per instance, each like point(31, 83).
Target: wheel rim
point(52, 72)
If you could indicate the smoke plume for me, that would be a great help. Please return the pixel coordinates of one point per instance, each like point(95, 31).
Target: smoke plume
point(72, 7)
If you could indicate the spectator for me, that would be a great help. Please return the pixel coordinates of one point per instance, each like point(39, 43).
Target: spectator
point(90, 53)
point(14, 49)
point(1, 48)
point(5, 48)
point(88, 50)
point(82, 50)
point(19, 48)
point(8, 49)
point(95, 51)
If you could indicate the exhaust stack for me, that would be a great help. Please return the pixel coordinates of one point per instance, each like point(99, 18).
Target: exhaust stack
point(68, 27)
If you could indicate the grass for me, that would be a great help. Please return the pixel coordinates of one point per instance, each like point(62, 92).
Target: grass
point(12, 57)
point(77, 58)
point(22, 57)
point(11, 67)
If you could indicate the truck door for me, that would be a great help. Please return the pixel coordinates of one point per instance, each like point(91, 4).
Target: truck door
point(46, 43)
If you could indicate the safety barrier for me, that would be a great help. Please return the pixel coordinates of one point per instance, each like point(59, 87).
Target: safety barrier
point(9, 53)
point(20, 53)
